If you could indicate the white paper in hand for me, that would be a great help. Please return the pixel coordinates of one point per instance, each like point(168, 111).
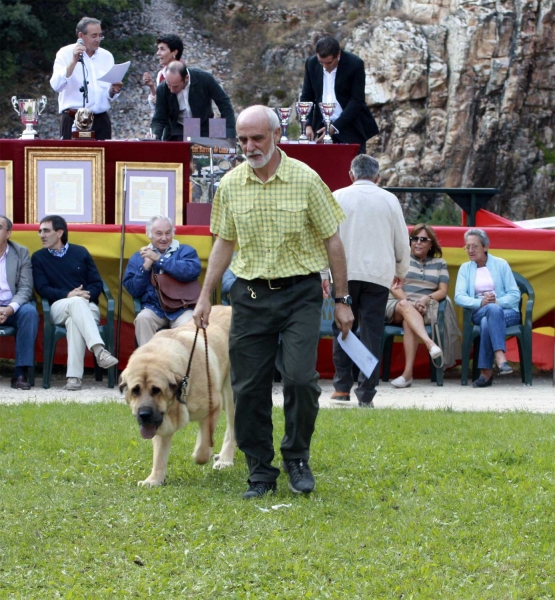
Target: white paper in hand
point(116, 73)
point(358, 353)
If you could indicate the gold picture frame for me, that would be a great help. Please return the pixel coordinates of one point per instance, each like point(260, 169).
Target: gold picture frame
point(150, 189)
point(64, 181)
point(6, 188)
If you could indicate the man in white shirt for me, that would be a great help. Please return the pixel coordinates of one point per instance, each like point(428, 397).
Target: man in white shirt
point(376, 244)
point(334, 75)
point(68, 80)
point(188, 93)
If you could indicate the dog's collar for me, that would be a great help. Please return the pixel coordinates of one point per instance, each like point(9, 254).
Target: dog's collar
point(182, 392)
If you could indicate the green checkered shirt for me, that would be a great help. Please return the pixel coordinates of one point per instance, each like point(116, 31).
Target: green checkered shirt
point(280, 225)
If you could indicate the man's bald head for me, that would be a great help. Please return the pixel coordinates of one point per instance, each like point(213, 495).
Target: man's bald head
point(259, 113)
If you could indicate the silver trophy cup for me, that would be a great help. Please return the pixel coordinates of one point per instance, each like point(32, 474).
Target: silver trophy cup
point(303, 108)
point(327, 108)
point(29, 111)
point(284, 114)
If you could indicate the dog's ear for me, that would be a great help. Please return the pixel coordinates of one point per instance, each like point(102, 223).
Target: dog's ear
point(123, 382)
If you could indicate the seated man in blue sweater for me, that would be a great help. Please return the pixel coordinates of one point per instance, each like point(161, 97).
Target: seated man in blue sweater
point(164, 255)
point(67, 277)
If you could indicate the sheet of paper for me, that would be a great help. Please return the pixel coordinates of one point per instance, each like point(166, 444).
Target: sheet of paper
point(358, 353)
point(116, 73)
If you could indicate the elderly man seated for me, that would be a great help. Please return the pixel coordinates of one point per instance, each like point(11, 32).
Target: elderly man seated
point(163, 255)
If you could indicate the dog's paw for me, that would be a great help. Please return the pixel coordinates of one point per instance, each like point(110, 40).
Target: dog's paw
point(149, 483)
point(221, 463)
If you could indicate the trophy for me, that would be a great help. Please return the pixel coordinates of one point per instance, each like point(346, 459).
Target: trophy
point(327, 108)
point(284, 114)
point(83, 122)
point(303, 108)
point(29, 111)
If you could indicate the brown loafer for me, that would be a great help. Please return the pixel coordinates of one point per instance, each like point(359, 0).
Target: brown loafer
point(345, 396)
point(20, 383)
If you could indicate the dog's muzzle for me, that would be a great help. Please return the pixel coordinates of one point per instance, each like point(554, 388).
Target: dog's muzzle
point(149, 421)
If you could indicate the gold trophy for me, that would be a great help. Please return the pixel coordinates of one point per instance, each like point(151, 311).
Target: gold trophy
point(84, 118)
point(29, 110)
point(303, 108)
point(327, 108)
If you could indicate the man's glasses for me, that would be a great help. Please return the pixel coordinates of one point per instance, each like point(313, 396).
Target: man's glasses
point(416, 238)
point(471, 247)
point(95, 36)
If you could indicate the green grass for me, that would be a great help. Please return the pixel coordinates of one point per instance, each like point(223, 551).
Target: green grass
point(409, 504)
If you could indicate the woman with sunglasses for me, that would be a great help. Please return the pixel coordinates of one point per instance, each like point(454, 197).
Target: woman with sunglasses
point(427, 278)
point(486, 285)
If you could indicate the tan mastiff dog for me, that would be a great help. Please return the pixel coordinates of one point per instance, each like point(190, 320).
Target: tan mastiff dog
point(152, 383)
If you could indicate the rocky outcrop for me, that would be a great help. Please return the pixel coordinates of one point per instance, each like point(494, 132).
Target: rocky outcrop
point(463, 90)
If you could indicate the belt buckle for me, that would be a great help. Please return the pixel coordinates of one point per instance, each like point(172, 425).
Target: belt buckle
point(273, 288)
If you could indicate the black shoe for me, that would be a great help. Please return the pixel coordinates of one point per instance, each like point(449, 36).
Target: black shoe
point(482, 382)
point(366, 404)
point(257, 489)
point(20, 383)
point(505, 369)
point(301, 480)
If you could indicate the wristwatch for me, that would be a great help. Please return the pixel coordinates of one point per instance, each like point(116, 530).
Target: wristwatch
point(344, 300)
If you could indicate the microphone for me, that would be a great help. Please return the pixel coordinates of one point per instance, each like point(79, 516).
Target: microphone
point(82, 43)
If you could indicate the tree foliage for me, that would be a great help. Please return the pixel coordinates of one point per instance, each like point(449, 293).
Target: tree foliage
point(33, 31)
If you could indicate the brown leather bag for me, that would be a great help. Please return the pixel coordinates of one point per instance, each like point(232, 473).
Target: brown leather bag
point(174, 295)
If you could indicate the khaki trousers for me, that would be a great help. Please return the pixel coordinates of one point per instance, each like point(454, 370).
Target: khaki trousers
point(81, 319)
point(147, 323)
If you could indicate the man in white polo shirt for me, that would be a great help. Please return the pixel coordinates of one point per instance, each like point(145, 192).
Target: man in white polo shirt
point(67, 79)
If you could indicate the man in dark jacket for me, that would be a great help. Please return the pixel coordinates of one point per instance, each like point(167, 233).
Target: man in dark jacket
point(16, 310)
point(188, 93)
point(164, 255)
point(333, 75)
point(66, 276)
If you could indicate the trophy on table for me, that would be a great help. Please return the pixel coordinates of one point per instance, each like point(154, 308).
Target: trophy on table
point(283, 114)
point(29, 110)
point(83, 124)
point(303, 108)
point(327, 108)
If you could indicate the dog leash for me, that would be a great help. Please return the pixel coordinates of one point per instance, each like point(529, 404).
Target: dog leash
point(183, 393)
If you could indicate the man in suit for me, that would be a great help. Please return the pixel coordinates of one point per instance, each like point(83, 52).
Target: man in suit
point(186, 93)
point(16, 291)
point(333, 75)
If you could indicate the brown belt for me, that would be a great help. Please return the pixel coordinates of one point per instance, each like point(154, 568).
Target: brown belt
point(73, 111)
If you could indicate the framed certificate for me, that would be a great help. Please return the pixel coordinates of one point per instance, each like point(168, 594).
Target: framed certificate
point(64, 181)
point(144, 190)
point(6, 188)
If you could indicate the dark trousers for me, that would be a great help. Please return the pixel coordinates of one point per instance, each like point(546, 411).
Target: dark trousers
point(101, 126)
point(293, 315)
point(369, 304)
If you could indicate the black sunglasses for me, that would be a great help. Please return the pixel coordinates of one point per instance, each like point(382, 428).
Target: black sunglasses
point(415, 238)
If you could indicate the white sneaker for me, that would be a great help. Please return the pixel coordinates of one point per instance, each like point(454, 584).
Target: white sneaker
point(73, 384)
point(105, 359)
point(401, 382)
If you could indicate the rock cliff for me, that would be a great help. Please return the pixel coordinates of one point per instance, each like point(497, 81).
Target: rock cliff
point(463, 90)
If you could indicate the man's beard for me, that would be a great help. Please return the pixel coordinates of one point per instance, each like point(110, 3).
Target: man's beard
point(260, 163)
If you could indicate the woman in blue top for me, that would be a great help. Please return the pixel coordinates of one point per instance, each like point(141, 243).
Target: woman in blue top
point(487, 286)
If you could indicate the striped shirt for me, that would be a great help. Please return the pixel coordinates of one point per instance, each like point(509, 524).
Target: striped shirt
point(279, 225)
point(424, 278)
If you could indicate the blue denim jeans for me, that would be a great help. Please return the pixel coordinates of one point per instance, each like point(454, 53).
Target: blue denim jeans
point(493, 321)
point(26, 323)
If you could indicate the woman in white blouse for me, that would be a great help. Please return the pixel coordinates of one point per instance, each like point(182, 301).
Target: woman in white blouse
point(169, 48)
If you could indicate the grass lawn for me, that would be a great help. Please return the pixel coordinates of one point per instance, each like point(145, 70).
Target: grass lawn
point(409, 504)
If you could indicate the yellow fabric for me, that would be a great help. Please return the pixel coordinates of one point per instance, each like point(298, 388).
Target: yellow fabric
point(537, 266)
point(105, 250)
point(280, 225)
